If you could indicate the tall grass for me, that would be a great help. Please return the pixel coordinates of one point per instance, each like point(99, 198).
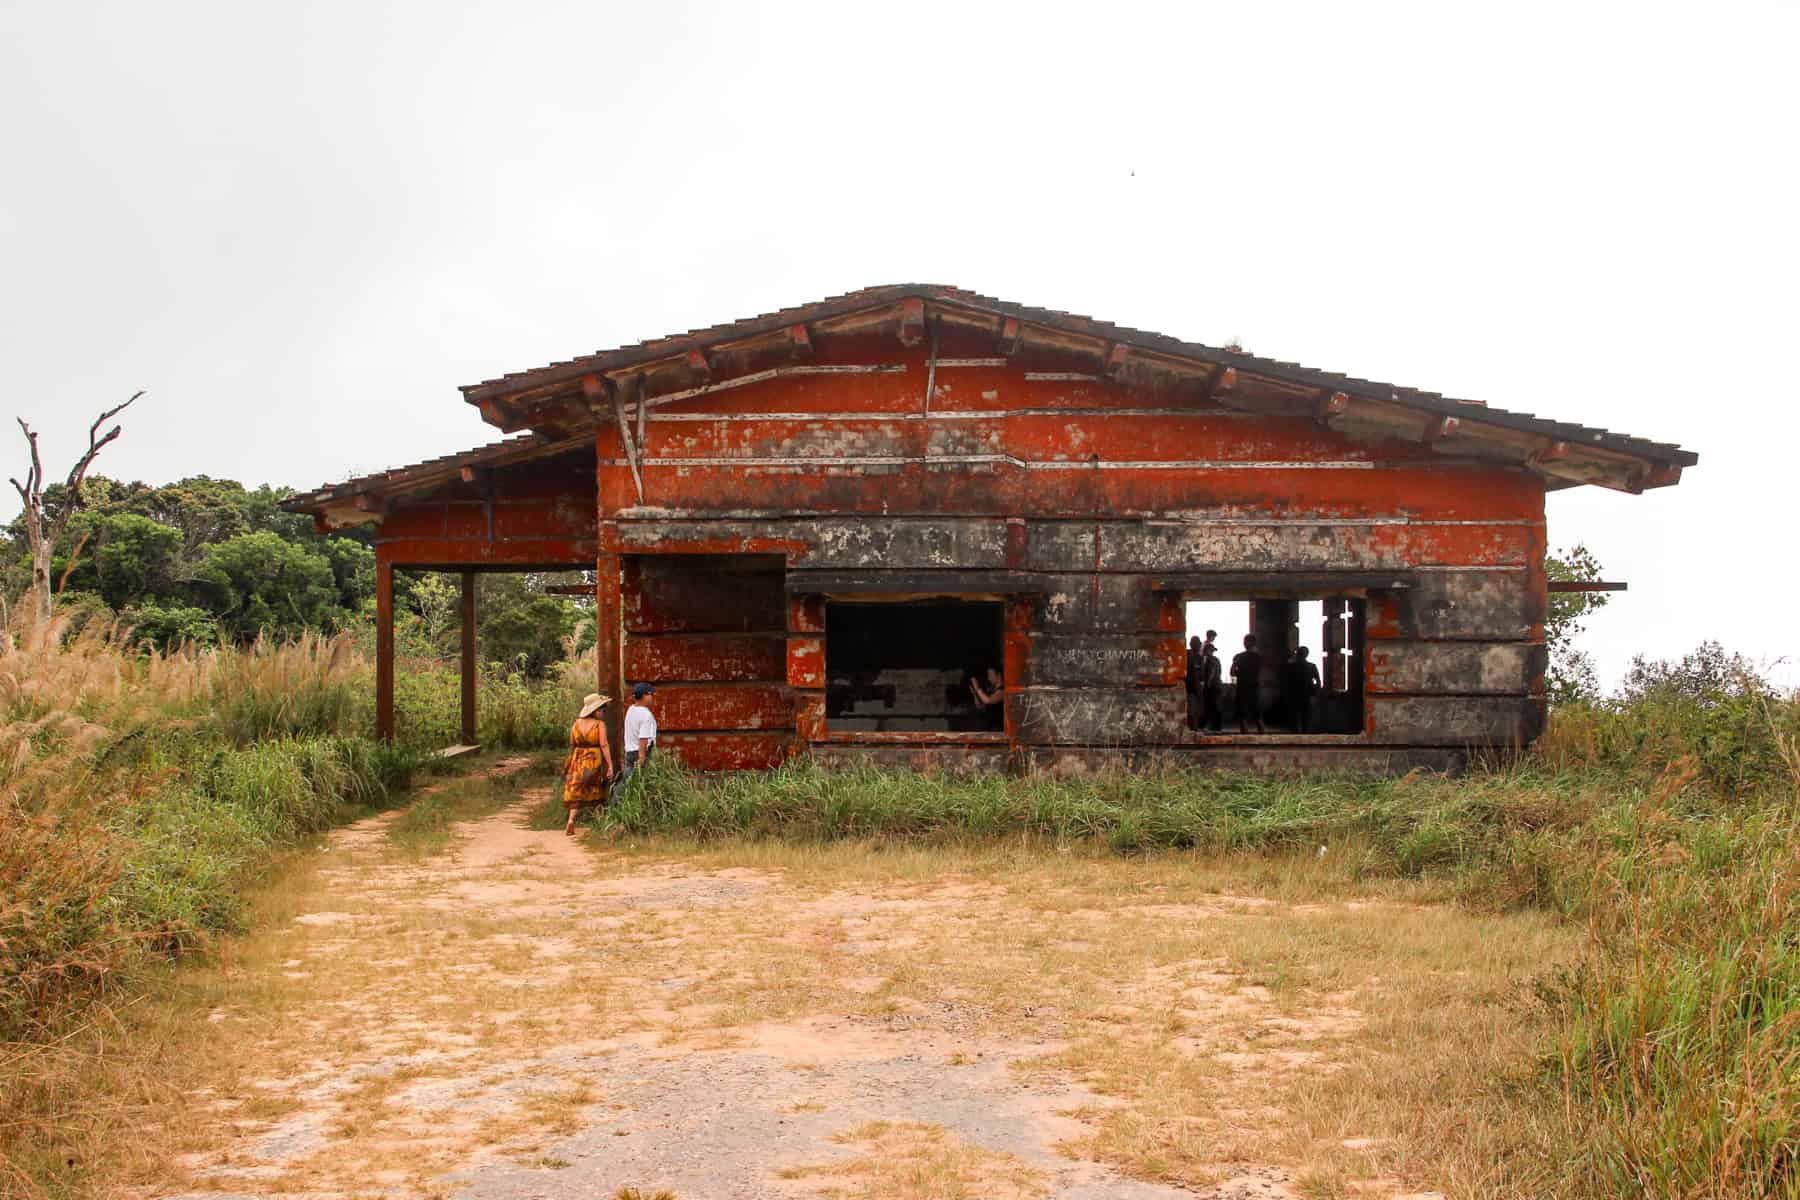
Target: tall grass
point(1679, 1052)
point(301, 688)
point(140, 794)
point(513, 711)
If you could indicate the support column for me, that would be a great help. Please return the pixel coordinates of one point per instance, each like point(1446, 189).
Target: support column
point(384, 649)
point(468, 658)
point(609, 646)
point(806, 669)
point(1332, 640)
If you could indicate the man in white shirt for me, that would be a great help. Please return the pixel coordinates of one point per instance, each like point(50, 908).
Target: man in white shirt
point(640, 729)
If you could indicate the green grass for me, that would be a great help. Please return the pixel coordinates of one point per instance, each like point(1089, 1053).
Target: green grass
point(1669, 829)
point(142, 798)
point(1494, 830)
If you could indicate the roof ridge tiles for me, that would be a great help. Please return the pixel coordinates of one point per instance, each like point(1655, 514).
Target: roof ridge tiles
point(631, 354)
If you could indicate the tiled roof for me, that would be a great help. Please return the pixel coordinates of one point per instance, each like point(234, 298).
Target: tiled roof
point(1664, 453)
point(508, 450)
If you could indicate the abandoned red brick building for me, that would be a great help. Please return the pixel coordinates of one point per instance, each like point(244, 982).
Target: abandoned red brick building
point(807, 527)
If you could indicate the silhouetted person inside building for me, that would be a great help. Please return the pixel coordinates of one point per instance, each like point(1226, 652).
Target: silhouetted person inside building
point(1246, 672)
point(1302, 685)
point(989, 696)
point(1212, 685)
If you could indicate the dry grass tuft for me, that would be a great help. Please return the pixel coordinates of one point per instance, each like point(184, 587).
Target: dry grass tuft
point(908, 1160)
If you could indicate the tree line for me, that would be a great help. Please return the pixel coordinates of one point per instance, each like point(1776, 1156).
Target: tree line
point(209, 561)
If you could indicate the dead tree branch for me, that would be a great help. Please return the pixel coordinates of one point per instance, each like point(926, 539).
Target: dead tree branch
point(40, 537)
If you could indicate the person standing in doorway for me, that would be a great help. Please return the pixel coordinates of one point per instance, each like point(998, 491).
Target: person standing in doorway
point(1196, 655)
point(1302, 686)
point(640, 729)
point(1212, 686)
point(1246, 672)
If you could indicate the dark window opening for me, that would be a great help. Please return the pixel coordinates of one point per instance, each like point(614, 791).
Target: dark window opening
point(912, 667)
point(1281, 698)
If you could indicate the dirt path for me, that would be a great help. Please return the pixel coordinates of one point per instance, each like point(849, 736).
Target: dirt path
point(525, 1016)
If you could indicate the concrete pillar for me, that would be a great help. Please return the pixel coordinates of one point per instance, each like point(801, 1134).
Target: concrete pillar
point(384, 649)
point(609, 646)
point(469, 675)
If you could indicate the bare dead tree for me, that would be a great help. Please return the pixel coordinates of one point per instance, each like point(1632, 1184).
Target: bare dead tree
point(40, 537)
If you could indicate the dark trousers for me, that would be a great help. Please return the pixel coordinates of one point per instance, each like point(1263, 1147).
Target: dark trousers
point(1212, 707)
point(631, 762)
point(1303, 714)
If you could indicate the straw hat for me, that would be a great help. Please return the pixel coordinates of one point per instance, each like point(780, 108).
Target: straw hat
point(593, 702)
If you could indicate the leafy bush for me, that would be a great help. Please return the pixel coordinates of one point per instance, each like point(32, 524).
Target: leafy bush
point(172, 626)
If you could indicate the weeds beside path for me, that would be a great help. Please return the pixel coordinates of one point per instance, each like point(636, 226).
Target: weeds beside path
point(510, 1012)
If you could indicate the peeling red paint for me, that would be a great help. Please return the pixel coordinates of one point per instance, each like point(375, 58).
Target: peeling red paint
point(1039, 472)
point(706, 656)
point(724, 706)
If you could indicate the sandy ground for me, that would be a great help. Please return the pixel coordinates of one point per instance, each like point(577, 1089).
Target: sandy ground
point(527, 1016)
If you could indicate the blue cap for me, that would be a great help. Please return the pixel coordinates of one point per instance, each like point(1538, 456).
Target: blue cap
point(642, 690)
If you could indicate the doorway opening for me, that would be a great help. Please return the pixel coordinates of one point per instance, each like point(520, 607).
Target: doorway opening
point(1280, 697)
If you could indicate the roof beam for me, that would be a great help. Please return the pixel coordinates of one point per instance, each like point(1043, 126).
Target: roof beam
point(1619, 475)
point(912, 322)
point(1114, 360)
point(801, 342)
point(1009, 337)
point(699, 367)
point(1551, 452)
point(504, 416)
point(1438, 429)
point(1587, 585)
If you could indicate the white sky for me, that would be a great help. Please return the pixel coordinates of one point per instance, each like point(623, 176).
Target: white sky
point(301, 226)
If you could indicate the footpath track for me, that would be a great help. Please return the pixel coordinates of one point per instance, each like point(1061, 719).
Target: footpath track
point(523, 1015)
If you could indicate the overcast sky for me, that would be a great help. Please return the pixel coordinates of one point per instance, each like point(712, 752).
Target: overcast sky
point(301, 226)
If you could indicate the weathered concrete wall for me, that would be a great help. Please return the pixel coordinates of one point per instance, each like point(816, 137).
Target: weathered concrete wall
point(1081, 493)
point(709, 632)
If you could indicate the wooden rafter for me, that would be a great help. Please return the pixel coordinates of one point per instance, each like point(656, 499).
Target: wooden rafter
point(801, 342)
point(912, 322)
point(1009, 337)
point(596, 391)
point(1332, 404)
point(1439, 429)
point(699, 367)
point(1586, 585)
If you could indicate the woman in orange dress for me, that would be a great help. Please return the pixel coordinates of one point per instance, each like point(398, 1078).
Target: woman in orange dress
point(589, 768)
